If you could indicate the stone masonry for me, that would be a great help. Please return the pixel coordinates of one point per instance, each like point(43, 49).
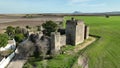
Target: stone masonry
point(75, 33)
point(86, 32)
point(57, 41)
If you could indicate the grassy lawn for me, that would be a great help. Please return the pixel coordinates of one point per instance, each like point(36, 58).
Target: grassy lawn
point(68, 57)
point(105, 53)
point(59, 61)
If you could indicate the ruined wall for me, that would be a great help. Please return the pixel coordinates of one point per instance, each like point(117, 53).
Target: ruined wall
point(40, 33)
point(79, 36)
point(70, 32)
point(74, 32)
point(86, 33)
point(62, 40)
point(55, 42)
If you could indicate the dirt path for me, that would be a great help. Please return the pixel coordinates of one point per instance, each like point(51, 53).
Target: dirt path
point(7, 20)
point(16, 64)
point(82, 61)
point(19, 60)
point(85, 44)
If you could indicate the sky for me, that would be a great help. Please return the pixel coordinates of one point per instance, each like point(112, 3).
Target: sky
point(58, 6)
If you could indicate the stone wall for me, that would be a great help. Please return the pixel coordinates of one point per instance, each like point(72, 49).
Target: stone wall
point(86, 32)
point(70, 32)
point(74, 32)
point(55, 42)
point(79, 36)
point(63, 40)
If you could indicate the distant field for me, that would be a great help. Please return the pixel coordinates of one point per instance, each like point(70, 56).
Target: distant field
point(22, 22)
point(105, 53)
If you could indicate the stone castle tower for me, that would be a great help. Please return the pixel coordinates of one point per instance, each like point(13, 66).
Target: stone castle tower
point(74, 32)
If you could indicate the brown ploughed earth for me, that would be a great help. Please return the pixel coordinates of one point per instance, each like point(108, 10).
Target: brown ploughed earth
point(18, 20)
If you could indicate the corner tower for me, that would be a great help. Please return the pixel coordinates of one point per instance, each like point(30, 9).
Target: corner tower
point(74, 31)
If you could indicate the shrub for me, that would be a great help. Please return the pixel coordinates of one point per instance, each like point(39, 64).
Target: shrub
point(19, 37)
point(28, 27)
point(27, 65)
point(3, 40)
point(10, 31)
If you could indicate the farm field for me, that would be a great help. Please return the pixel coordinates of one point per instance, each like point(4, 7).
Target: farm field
point(104, 53)
point(22, 22)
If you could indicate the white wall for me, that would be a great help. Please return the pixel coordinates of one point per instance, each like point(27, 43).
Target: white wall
point(9, 46)
point(6, 61)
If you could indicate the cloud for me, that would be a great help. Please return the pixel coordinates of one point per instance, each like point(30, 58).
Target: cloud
point(91, 5)
point(79, 1)
point(76, 2)
point(85, 3)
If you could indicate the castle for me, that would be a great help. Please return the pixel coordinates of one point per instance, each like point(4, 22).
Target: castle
point(75, 33)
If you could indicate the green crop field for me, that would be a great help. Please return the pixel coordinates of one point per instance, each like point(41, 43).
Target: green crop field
point(105, 53)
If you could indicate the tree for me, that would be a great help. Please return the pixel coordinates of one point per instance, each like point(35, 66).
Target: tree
point(38, 28)
point(25, 32)
point(28, 16)
point(10, 31)
point(26, 49)
point(34, 37)
point(61, 25)
point(28, 27)
point(49, 27)
point(41, 45)
point(107, 16)
point(19, 37)
point(3, 40)
point(18, 30)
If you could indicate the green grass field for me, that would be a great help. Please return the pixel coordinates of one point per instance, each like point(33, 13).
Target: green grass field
point(105, 53)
